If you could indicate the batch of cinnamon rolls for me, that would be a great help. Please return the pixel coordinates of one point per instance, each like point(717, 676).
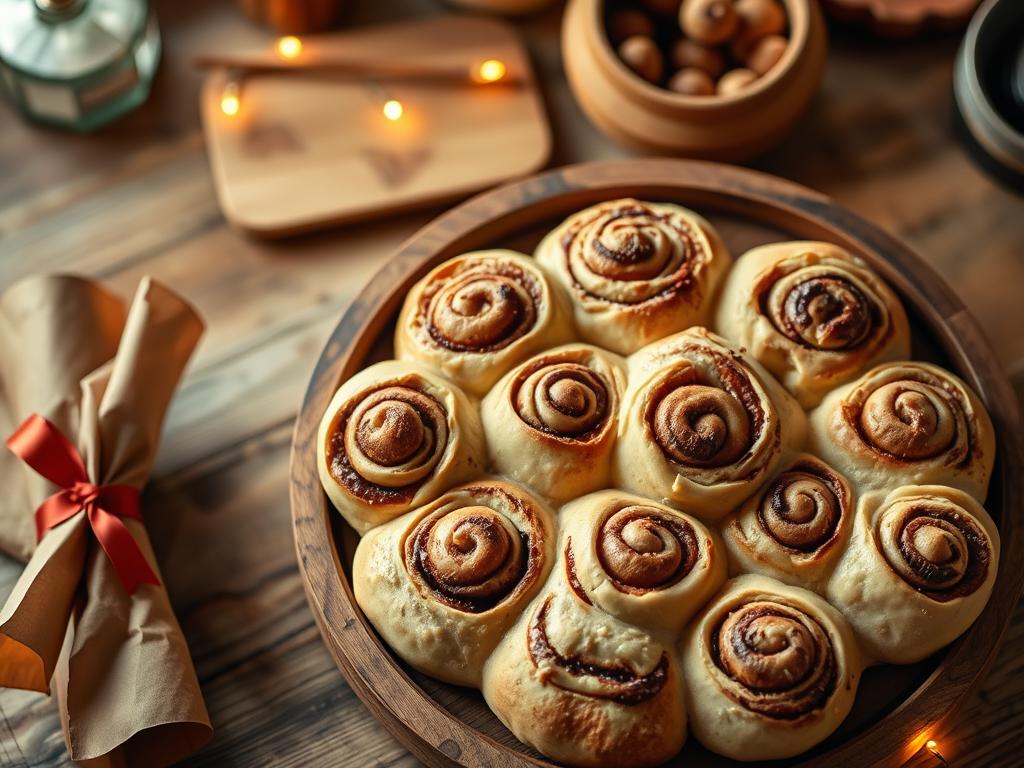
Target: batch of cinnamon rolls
point(631, 489)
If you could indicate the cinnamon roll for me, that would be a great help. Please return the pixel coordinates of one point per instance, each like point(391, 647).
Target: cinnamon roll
point(583, 687)
point(906, 423)
point(550, 422)
point(394, 436)
point(795, 527)
point(475, 316)
point(444, 582)
point(813, 314)
point(771, 670)
point(636, 271)
point(701, 426)
point(638, 560)
point(918, 571)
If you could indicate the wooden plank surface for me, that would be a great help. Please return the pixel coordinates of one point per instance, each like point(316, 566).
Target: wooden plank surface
point(138, 199)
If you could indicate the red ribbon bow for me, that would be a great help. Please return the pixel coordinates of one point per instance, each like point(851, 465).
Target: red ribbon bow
point(43, 447)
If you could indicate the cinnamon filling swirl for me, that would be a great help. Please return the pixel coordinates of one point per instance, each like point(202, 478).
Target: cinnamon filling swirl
point(910, 420)
point(774, 659)
point(824, 312)
point(577, 674)
point(935, 546)
point(472, 557)
point(563, 399)
point(572, 577)
point(644, 549)
point(385, 445)
point(632, 254)
point(702, 422)
point(802, 508)
point(482, 309)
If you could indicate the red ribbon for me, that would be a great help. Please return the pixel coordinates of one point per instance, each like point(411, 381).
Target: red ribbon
point(43, 447)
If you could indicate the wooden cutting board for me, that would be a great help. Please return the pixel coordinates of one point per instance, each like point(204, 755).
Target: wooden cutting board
point(307, 151)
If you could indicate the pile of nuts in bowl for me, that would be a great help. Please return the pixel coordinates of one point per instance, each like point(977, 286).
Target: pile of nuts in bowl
point(699, 47)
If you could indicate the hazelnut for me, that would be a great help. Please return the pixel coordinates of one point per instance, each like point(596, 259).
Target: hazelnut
point(757, 19)
point(662, 7)
point(641, 54)
point(687, 54)
point(735, 80)
point(708, 21)
point(766, 53)
point(692, 82)
point(627, 23)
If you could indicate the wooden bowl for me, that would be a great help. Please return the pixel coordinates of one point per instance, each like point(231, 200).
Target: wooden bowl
point(644, 116)
point(898, 707)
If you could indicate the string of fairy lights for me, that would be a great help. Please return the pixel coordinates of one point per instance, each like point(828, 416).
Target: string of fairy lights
point(290, 49)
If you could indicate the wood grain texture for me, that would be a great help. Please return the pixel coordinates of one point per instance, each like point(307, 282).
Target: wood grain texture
point(305, 151)
point(138, 198)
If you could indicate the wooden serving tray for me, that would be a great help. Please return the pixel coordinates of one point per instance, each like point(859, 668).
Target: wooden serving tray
point(307, 151)
point(898, 707)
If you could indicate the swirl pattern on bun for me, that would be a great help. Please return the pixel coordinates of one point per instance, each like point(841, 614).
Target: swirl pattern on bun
point(771, 670)
point(444, 582)
point(640, 561)
point(550, 423)
point(394, 436)
point(918, 571)
point(795, 527)
point(905, 423)
point(475, 316)
point(701, 424)
point(584, 687)
point(636, 271)
point(852, 535)
point(813, 314)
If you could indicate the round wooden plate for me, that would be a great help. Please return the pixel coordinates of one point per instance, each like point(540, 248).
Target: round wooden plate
point(898, 707)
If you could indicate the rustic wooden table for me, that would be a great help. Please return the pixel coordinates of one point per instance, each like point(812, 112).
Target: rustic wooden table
point(138, 199)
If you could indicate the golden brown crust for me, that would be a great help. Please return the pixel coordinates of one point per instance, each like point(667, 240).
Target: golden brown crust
point(795, 527)
point(636, 271)
point(475, 316)
point(701, 424)
point(771, 670)
point(906, 422)
point(585, 688)
point(444, 582)
point(919, 569)
point(394, 436)
point(643, 562)
point(551, 422)
point(813, 314)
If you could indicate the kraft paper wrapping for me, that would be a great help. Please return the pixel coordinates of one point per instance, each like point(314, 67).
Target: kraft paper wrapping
point(124, 679)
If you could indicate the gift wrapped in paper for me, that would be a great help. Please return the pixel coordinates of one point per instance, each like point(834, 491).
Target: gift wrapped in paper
point(85, 386)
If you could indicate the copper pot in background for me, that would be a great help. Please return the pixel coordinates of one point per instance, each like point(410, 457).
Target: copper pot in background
point(294, 17)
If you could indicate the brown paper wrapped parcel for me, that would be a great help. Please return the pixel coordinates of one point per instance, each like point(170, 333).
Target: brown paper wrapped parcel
point(104, 376)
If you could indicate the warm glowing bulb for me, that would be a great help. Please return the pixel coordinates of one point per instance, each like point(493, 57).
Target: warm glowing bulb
point(393, 109)
point(289, 47)
point(229, 105)
point(932, 745)
point(229, 101)
point(491, 71)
